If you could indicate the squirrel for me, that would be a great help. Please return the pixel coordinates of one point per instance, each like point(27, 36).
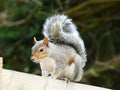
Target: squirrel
point(61, 61)
point(61, 29)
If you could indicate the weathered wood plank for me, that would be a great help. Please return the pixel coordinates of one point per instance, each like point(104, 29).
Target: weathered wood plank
point(13, 80)
point(1, 60)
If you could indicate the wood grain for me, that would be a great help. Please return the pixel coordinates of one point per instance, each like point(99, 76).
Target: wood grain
point(13, 80)
point(1, 60)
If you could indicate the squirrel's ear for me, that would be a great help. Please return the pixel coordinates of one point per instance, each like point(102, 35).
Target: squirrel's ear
point(35, 40)
point(46, 41)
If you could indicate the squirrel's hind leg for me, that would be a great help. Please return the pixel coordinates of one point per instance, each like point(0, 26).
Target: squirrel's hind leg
point(79, 68)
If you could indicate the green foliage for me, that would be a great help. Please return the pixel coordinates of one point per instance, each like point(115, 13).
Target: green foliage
point(98, 23)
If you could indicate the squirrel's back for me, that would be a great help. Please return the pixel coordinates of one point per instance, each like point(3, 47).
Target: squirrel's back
point(61, 48)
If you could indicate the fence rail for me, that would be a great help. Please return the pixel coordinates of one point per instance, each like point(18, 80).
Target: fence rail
point(14, 80)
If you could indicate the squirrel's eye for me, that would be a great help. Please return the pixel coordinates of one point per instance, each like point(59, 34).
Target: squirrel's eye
point(41, 49)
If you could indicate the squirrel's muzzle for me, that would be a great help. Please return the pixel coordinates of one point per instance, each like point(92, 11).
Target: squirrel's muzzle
point(33, 58)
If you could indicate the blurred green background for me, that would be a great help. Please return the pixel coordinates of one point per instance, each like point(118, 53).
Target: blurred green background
point(98, 22)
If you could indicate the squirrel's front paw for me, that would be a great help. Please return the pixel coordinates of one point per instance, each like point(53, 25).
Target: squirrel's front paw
point(55, 75)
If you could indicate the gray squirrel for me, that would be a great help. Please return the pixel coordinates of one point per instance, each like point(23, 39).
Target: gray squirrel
point(60, 29)
point(62, 52)
point(60, 61)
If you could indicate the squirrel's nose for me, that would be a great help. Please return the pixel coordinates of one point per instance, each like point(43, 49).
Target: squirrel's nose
point(33, 58)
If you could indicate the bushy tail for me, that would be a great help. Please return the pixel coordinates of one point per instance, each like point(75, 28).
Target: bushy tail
point(61, 28)
point(66, 24)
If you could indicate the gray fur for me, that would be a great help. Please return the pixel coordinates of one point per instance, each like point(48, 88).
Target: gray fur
point(60, 28)
point(58, 54)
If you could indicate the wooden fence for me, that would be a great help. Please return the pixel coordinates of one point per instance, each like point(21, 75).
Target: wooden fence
point(14, 80)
